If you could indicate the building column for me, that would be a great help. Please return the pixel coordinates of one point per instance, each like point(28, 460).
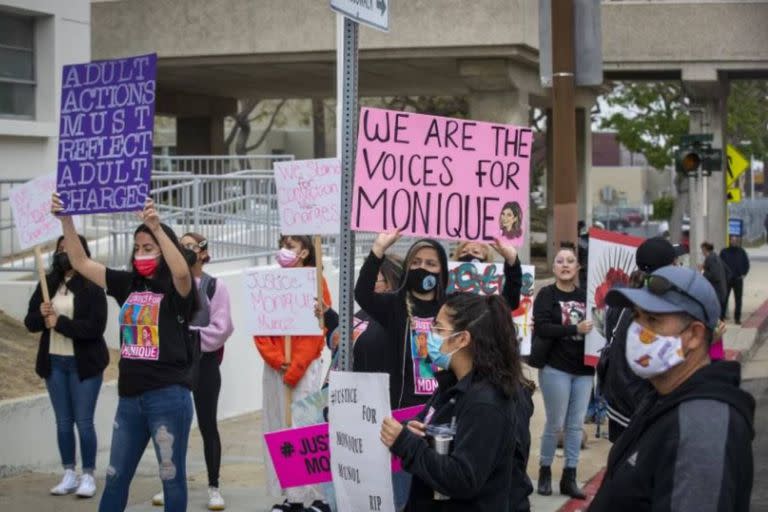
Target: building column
point(200, 135)
point(708, 115)
point(499, 93)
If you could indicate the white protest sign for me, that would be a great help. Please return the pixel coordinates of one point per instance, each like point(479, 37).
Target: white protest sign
point(523, 315)
point(309, 196)
point(31, 207)
point(362, 478)
point(281, 301)
point(611, 262)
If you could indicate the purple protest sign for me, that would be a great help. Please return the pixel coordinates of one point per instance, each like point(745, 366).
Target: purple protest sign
point(105, 135)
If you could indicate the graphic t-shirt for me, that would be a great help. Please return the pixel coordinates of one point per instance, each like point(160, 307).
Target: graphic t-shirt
point(156, 346)
point(424, 382)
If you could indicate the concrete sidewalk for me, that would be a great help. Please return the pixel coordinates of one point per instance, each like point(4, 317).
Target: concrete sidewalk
point(242, 473)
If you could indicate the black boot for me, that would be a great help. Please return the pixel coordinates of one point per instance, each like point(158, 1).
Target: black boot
point(545, 481)
point(568, 485)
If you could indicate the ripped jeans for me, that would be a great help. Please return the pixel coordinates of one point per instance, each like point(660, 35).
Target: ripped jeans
point(165, 416)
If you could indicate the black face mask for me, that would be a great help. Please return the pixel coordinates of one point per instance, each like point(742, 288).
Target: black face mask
point(468, 258)
point(189, 255)
point(61, 262)
point(422, 281)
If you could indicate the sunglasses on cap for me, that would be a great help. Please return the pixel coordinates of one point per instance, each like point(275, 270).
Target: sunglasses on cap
point(197, 246)
point(659, 285)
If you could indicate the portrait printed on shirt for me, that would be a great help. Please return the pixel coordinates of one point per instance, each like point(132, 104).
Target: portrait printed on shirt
point(572, 313)
point(423, 370)
point(139, 331)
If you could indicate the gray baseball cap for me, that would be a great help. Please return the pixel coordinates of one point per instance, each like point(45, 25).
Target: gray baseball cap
point(672, 289)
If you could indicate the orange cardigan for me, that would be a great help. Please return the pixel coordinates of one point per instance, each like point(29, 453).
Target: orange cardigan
point(304, 349)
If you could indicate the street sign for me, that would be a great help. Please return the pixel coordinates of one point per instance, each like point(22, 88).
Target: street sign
point(374, 13)
point(735, 227)
point(737, 164)
point(734, 195)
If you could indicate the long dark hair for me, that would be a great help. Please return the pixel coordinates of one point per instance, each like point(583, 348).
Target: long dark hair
point(56, 273)
point(495, 350)
point(392, 270)
point(163, 273)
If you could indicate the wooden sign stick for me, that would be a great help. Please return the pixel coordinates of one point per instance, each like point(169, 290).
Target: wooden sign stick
point(319, 265)
point(41, 274)
point(288, 389)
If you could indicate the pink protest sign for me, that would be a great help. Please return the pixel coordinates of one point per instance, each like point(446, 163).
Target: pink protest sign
point(446, 178)
point(301, 456)
point(309, 196)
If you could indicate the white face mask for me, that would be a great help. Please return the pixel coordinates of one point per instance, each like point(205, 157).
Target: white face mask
point(650, 354)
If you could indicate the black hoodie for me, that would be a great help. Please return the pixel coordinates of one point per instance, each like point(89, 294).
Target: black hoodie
point(411, 379)
point(688, 450)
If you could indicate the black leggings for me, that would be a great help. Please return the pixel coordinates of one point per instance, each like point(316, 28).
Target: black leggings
point(206, 402)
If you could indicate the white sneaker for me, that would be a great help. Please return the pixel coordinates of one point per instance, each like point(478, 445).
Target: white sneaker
point(215, 500)
point(158, 499)
point(87, 487)
point(67, 485)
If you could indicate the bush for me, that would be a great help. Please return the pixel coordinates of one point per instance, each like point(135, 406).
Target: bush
point(662, 208)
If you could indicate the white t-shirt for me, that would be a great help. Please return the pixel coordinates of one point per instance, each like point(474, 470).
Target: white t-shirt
point(64, 305)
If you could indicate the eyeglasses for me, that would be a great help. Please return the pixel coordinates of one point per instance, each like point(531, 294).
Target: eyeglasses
point(659, 285)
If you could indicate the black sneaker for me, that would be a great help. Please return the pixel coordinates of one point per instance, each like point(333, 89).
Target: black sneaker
point(289, 507)
point(318, 506)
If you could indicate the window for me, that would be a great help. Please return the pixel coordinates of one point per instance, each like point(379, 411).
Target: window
point(17, 66)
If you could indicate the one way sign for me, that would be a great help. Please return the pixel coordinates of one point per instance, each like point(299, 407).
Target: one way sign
point(374, 13)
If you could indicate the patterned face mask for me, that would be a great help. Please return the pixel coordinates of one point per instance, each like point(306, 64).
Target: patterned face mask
point(650, 354)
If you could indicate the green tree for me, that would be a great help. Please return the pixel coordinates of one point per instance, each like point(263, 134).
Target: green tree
point(748, 116)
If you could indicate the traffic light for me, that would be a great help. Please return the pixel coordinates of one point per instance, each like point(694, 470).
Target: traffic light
point(696, 152)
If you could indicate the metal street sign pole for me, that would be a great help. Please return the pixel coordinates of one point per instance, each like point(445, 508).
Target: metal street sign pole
point(346, 138)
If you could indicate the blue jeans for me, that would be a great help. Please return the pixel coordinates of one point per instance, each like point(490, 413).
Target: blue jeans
point(165, 416)
point(401, 483)
point(566, 398)
point(74, 402)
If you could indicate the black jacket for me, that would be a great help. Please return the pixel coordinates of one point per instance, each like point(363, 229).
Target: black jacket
point(622, 389)
point(686, 451)
point(521, 482)
point(477, 474)
point(715, 273)
point(85, 328)
point(737, 261)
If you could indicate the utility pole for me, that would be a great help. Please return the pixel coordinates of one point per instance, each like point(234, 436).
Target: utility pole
point(564, 123)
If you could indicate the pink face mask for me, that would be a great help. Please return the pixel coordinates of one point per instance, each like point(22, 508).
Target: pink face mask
point(286, 258)
point(146, 266)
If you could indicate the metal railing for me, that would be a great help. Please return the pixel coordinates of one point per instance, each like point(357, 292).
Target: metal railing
point(218, 164)
point(753, 212)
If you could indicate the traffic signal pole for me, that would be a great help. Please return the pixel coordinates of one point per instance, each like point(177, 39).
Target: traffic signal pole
point(563, 124)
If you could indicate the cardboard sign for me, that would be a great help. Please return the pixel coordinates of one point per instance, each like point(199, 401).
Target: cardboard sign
point(105, 135)
point(523, 315)
point(31, 208)
point(611, 262)
point(309, 196)
point(358, 404)
point(488, 279)
point(445, 178)
point(282, 301)
point(302, 456)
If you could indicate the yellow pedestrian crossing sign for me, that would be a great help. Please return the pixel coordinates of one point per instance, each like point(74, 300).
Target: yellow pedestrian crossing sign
point(734, 195)
point(737, 164)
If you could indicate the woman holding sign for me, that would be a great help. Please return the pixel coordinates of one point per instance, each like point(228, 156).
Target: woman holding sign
point(71, 358)
point(559, 313)
point(460, 448)
point(300, 370)
point(475, 252)
point(157, 355)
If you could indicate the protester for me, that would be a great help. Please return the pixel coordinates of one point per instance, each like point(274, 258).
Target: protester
point(620, 387)
point(688, 447)
point(302, 374)
point(566, 382)
point(521, 482)
point(213, 323)
point(406, 315)
point(473, 339)
point(71, 357)
point(481, 253)
point(715, 272)
point(736, 259)
point(157, 355)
